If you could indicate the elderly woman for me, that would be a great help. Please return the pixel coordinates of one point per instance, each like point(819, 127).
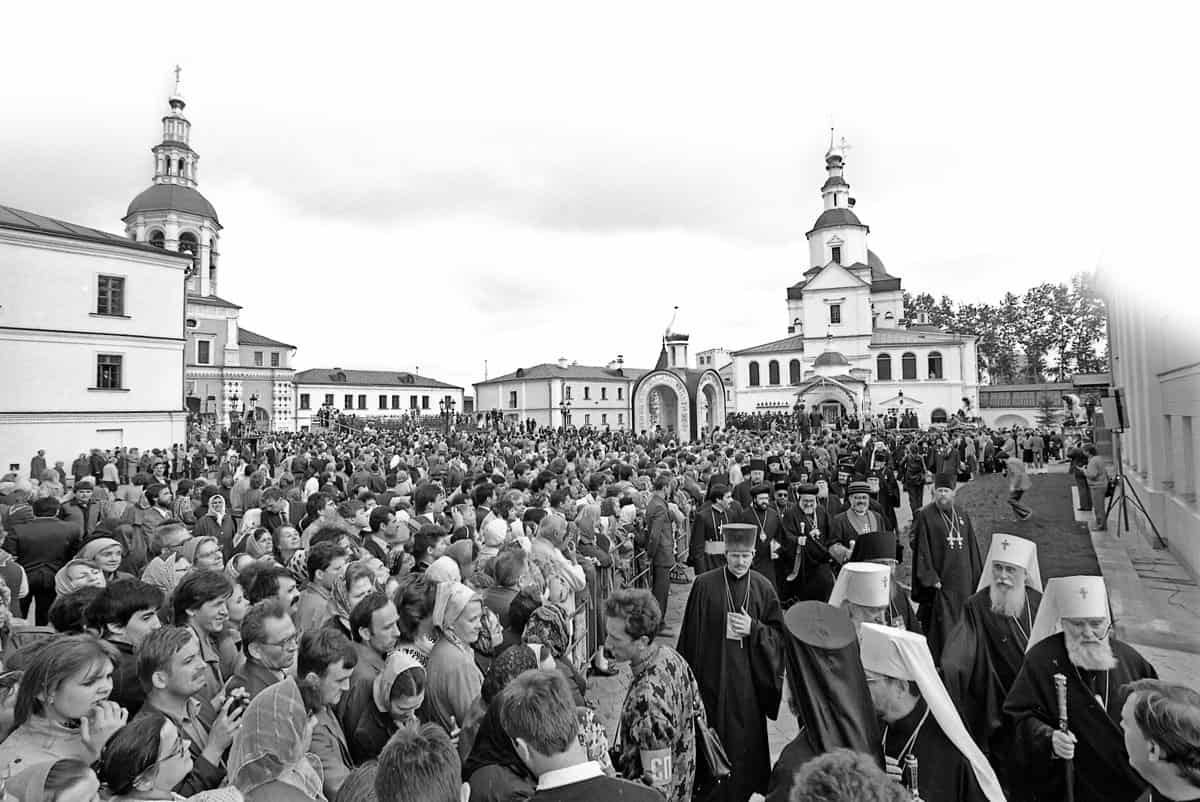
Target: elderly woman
point(203, 554)
point(269, 759)
point(548, 625)
point(398, 692)
point(259, 544)
point(454, 679)
point(217, 523)
point(106, 553)
point(348, 591)
point(66, 681)
point(75, 575)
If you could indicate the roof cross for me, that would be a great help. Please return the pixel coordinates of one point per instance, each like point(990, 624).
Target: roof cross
point(178, 70)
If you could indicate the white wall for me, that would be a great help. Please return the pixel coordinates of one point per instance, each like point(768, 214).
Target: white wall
point(65, 437)
point(854, 245)
point(540, 400)
point(317, 392)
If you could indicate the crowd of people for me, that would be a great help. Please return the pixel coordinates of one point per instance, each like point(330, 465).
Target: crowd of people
point(412, 614)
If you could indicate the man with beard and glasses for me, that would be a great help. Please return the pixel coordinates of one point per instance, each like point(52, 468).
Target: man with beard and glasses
point(732, 637)
point(986, 650)
point(1097, 666)
point(804, 570)
point(766, 520)
point(946, 563)
point(919, 720)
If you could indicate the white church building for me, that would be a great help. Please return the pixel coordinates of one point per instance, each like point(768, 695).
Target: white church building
point(849, 348)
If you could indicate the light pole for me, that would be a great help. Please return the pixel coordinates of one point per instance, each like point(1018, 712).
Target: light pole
point(446, 405)
point(900, 415)
point(565, 407)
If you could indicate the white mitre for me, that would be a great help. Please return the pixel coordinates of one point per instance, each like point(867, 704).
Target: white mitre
point(1068, 597)
point(905, 655)
point(1015, 551)
point(865, 584)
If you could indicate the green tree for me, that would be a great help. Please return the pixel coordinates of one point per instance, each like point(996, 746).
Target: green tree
point(1089, 325)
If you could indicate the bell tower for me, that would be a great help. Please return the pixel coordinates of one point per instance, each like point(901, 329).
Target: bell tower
point(171, 213)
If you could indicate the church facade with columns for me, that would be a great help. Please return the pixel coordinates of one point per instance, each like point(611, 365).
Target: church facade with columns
point(229, 372)
point(850, 349)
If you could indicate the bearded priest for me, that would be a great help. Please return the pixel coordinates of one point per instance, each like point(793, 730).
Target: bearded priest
point(986, 650)
point(1072, 636)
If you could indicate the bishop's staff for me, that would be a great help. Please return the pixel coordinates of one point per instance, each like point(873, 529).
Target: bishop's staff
point(1060, 687)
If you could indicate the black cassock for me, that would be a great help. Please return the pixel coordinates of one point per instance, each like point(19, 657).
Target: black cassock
point(706, 528)
point(943, 773)
point(741, 681)
point(1101, 764)
point(770, 530)
point(979, 665)
point(946, 553)
point(815, 577)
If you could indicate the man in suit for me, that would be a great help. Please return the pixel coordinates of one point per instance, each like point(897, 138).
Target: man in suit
point(42, 546)
point(659, 541)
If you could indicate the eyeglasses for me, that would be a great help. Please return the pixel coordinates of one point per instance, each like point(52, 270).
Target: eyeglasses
point(287, 643)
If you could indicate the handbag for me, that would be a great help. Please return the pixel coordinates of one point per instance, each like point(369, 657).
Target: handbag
point(712, 762)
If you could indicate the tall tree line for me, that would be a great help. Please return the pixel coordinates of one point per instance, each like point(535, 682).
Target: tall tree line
point(1050, 333)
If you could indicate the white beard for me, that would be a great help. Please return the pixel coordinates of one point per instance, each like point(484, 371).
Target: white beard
point(1091, 656)
point(1007, 601)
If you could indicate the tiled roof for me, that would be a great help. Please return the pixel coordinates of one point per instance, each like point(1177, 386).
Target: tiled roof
point(212, 300)
point(883, 336)
point(550, 370)
point(28, 221)
point(793, 343)
point(247, 337)
point(377, 378)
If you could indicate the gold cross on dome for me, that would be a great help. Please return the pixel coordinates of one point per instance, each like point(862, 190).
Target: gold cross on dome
point(1083, 592)
point(178, 70)
point(1004, 544)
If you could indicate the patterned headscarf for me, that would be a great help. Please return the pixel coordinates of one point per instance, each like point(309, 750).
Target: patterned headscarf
point(269, 745)
point(64, 585)
point(397, 663)
point(512, 662)
point(92, 548)
point(548, 625)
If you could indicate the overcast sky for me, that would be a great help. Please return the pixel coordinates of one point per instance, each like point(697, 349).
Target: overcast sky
point(403, 187)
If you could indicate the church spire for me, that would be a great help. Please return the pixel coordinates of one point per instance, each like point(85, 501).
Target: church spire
point(835, 191)
point(174, 159)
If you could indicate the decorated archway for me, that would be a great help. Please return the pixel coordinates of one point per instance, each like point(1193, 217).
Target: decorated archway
point(661, 403)
point(710, 403)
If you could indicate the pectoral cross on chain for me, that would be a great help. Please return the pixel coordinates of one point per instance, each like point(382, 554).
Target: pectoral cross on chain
point(955, 540)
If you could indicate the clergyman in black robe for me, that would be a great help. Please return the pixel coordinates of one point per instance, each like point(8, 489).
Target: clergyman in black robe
point(763, 516)
point(828, 693)
point(706, 529)
point(1101, 764)
point(805, 533)
point(979, 665)
point(943, 773)
point(740, 679)
point(946, 568)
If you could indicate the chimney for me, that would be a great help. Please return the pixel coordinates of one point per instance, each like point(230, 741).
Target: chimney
point(562, 362)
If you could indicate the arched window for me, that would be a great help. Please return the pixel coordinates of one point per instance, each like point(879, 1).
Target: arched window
point(908, 366)
point(157, 239)
point(937, 416)
point(794, 371)
point(181, 167)
point(187, 243)
point(754, 378)
point(773, 372)
point(935, 365)
point(883, 368)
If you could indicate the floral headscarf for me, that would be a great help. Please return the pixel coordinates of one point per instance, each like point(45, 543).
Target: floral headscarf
point(92, 548)
point(269, 745)
point(548, 625)
point(397, 663)
point(64, 585)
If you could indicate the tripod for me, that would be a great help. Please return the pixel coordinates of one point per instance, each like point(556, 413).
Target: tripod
point(1122, 495)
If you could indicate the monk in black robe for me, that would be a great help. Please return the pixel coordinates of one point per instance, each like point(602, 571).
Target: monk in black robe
point(740, 677)
point(946, 564)
point(763, 516)
point(1094, 700)
point(979, 665)
point(828, 693)
point(804, 569)
point(706, 529)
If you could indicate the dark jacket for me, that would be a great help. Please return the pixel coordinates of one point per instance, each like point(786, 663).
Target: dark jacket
point(84, 516)
point(254, 677)
point(43, 546)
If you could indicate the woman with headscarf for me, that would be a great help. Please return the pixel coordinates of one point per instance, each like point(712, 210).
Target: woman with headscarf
point(454, 679)
point(493, 769)
point(547, 625)
point(259, 544)
point(444, 569)
point(55, 781)
point(269, 761)
point(217, 523)
point(597, 560)
point(203, 553)
point(348, 591)
point(75, 575)
point(105, 553)
point(398, 692)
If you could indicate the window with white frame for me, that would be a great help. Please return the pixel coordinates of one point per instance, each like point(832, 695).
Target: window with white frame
point(109, 369)
point(274, 359)
point(110, 296)
point(304, 401)
point(203, 352)
point(258, 359)
point(835, 313)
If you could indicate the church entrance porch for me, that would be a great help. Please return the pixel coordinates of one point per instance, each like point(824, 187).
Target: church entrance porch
point(831, 411)
point(661, 403)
